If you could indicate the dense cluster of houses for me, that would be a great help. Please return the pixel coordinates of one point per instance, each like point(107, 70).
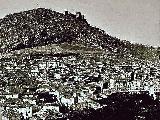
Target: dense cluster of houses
point(38, 85)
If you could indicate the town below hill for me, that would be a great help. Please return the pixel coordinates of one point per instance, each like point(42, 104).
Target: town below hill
point(57, 66)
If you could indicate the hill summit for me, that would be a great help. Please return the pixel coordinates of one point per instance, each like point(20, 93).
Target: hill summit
point(39, 27)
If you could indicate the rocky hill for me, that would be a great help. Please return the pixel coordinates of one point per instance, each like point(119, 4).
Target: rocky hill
point(39, 27)
point(59, 59)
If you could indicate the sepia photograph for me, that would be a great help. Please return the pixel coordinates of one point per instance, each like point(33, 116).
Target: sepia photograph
point(79, 59)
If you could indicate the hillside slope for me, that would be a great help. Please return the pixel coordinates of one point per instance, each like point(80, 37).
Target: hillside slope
point(39, 27)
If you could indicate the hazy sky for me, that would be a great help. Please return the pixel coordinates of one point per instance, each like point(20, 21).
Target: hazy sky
point(133, 20)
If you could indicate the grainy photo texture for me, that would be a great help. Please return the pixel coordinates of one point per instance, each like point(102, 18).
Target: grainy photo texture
point(79, 60)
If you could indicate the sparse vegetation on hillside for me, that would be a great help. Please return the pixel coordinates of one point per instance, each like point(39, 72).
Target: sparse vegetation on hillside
point(40, 27)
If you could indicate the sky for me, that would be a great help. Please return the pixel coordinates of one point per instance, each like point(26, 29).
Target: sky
point(137, 21)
